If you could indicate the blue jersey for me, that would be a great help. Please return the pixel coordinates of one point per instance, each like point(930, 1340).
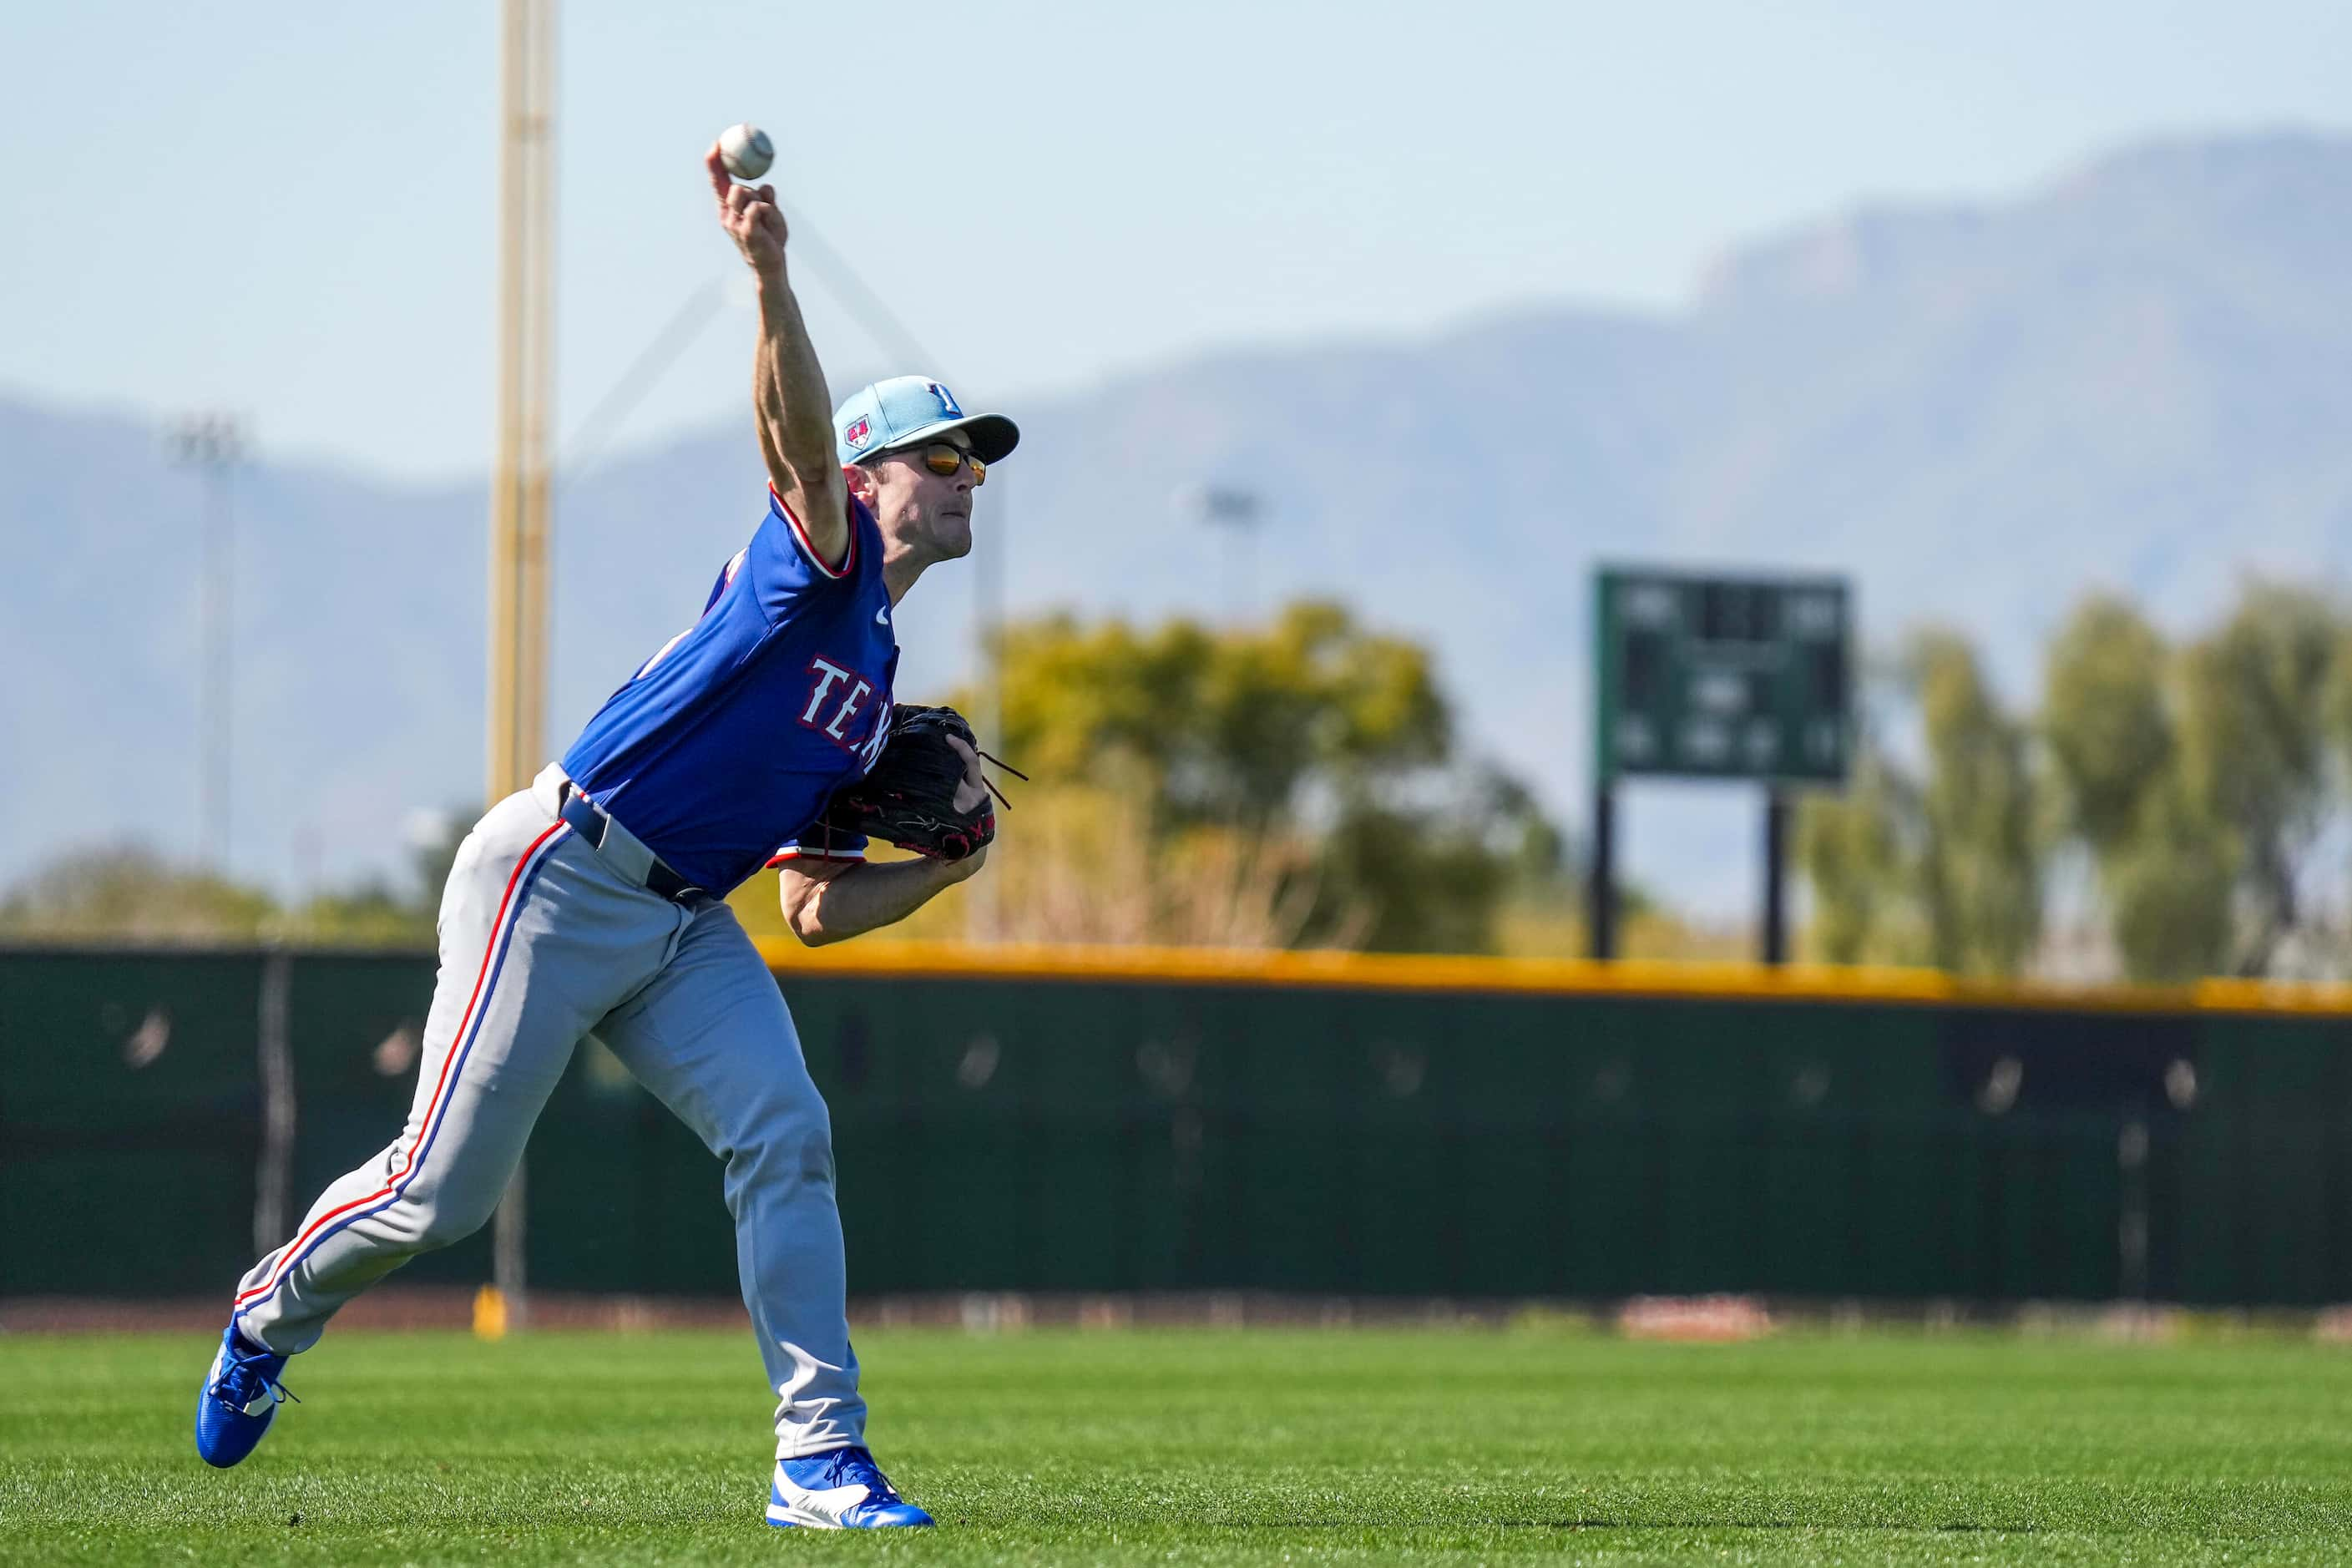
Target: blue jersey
point(720, 752)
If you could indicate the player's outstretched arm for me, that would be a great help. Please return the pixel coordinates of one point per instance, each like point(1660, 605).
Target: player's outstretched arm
point(835, 900)
point(788, 391)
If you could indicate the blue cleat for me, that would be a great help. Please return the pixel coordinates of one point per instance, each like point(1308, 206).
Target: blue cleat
point(841, 1489)
point(239, 1401)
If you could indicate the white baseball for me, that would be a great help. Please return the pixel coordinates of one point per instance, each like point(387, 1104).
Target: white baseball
point(746, 150)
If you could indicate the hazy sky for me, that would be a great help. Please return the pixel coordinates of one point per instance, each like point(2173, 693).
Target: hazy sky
point(288, 210)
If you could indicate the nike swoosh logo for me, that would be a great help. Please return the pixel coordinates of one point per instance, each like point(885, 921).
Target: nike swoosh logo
point(882, 616)
point(813, 1507)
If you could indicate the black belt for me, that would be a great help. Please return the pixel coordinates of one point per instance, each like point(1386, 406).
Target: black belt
point(590, 820)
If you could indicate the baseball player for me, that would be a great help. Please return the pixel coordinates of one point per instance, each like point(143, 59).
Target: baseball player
point(593, 901)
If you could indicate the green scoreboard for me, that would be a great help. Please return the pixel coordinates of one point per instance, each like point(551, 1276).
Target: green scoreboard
point(1703, 676)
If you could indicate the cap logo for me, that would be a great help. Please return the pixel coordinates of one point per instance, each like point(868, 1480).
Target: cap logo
point(860, 431)
point(947, 400)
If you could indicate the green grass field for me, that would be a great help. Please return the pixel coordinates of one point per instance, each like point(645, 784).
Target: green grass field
point(1257, 1446)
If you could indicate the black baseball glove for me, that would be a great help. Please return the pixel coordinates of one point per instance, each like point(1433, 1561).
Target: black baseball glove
point(911, 798)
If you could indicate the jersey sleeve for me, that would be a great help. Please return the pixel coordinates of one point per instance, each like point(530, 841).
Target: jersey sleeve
point(819, 842)
point(784, 568)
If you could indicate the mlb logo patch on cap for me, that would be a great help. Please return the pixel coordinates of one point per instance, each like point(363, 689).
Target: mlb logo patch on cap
point(906, 409)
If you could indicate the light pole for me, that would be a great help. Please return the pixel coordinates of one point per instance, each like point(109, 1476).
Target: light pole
point(1236, 511)
point(520, 491)
point(982, 921)
point(214, 443)
point(521, 526)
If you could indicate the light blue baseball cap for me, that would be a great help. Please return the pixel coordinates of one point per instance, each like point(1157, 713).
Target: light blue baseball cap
point(909, 408)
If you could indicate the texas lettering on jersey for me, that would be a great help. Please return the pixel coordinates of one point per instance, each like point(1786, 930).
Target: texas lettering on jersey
point(843, 694)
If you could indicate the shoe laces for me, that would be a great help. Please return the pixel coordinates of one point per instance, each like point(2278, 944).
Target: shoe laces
point(246, 1377)
point(856, 1464)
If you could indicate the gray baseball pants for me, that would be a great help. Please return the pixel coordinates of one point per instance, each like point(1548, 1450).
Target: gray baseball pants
point(545, 939)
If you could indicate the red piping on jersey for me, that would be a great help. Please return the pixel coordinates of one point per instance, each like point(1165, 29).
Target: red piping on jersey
point(849, 562)
point(433, 1107)
point(797, 853)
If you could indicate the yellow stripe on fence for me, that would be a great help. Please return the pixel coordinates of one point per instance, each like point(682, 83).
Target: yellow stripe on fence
point(1558, 977)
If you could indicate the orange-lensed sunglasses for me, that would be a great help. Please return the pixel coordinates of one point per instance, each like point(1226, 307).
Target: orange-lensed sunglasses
point(943, 460)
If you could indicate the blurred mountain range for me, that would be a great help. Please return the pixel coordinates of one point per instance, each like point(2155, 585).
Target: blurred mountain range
point(2139, 377)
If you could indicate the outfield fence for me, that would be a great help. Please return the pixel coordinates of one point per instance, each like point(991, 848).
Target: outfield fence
point(1118, 1121)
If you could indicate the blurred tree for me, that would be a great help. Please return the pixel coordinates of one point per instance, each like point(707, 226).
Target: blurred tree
point(2336, 711)
point(1428, 875)
point(384, 912)
point(1944, 866)
point(1980, 854)
point(2104, 720)
point(2108, 722)
point(2254, 751)
point(2199, 778)
point(2168, 887)
point(1227, 726)
point(130, 893)
point(1854, 852)
point(372, 914)
point(1304, 767)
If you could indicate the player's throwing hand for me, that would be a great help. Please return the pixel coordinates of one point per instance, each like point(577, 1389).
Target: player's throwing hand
point(749, 216)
